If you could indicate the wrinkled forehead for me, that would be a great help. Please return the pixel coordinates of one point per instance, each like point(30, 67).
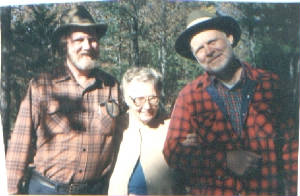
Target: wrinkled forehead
point(205, 36)
point(91, 32)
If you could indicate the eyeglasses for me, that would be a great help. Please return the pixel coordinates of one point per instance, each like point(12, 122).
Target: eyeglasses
point(140, 101)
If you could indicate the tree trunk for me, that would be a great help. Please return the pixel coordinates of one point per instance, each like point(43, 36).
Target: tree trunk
point(3, 184)
point(135, 32)
point(5, 71)
point(163, 49)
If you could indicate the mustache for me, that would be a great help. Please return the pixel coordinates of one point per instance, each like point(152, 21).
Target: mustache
point(211, 59)
point(91, 54)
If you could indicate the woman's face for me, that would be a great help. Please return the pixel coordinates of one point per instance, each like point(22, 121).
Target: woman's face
point(142, 99)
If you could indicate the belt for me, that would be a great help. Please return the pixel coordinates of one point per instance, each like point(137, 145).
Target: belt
point(72, 188)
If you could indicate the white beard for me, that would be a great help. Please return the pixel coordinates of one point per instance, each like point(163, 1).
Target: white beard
point(82, 64)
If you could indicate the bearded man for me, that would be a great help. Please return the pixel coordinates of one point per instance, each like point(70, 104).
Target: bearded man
point(65, 126)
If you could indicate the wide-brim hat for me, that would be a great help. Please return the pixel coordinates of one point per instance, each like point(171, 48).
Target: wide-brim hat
point(77, 17)
point(199, 21)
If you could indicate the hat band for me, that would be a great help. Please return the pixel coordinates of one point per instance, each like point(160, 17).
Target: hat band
point(198, 20)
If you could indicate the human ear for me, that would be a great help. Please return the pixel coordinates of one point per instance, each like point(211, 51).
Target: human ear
point(230, 38)
point(127, 99)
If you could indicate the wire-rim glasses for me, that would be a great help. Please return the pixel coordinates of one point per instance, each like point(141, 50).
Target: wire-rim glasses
point(140, 101)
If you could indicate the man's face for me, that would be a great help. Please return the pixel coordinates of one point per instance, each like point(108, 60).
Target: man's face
point(212, 50)
point(82, 50)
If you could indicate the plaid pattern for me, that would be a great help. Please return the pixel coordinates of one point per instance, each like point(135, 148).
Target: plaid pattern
point(74, 133)
point(197, 110)
point(232, 100)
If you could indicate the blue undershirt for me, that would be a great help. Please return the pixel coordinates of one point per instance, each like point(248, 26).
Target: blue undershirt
point(137, 183)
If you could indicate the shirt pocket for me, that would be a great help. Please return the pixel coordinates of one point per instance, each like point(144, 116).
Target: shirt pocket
point(103, 122)
point(55, 122)
point(263, 118)
point(203, 124)
point(261, 131)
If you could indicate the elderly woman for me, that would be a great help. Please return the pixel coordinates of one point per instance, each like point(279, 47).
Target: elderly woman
point(140, 167)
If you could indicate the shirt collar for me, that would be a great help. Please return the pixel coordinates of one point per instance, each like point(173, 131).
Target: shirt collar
point(63, 73)
point(214, 81)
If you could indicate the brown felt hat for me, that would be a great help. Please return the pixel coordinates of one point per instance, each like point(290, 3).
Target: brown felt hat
point(199, 21)
point(77, 17)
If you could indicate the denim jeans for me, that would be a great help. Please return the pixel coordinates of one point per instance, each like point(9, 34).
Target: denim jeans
point(37, 188)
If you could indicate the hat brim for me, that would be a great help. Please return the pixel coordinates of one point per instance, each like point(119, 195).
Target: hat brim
point(223, 23)
point(100, 30)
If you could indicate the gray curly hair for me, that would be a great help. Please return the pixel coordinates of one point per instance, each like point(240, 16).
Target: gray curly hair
point(142, 74)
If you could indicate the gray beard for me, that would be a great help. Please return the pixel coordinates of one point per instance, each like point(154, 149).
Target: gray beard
point(226, 69)
point(87, 67)
point(229, 70)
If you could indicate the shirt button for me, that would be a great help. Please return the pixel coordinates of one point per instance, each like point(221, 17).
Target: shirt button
point(248, 96)
point(80, 171)
point(84, 149)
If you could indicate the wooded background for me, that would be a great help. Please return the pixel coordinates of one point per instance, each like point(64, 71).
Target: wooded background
point(143, 33)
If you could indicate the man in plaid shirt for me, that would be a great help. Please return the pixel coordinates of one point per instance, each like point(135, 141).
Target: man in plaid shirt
point(65, 125)
point(226, 131)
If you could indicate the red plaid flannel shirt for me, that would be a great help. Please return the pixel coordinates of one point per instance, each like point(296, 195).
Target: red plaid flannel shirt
point(74, 133)
point(198, 110)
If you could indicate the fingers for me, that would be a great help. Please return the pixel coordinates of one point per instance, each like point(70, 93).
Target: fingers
point(254, 160)
point(191, 135)
point(191, 140)
point(241, 162)
point(253, 155)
